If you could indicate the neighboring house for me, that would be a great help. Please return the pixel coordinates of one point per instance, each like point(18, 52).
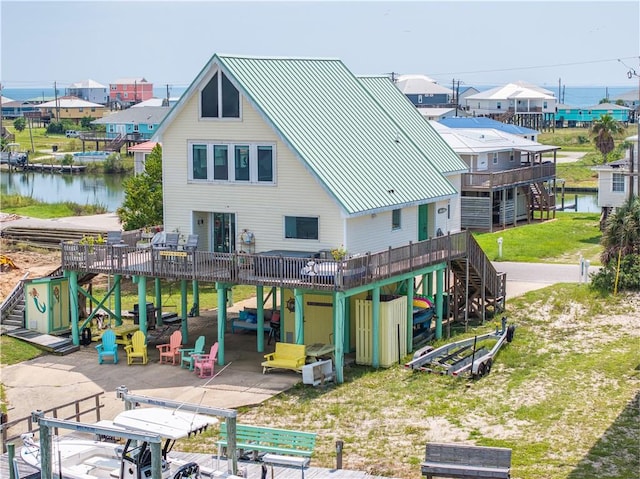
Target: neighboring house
point(157, 102)
point(90, 90)
point(135, 123)
point(464, 92)
point(261, 157)
point(521, 103)
point(12, 109)
point(508, 180)
point(439, 113)
point(140, 153)
point(573, 116)
point(630, 99)
point(126, 92)
point(488, 123)
point(422, 91)
point(71, 108)
point(616, 181)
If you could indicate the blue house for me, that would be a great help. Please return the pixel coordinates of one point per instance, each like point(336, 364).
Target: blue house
point(573, 116)
point(139, 123)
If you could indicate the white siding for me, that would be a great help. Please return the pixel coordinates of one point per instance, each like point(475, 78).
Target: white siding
point(606, 195)
point(373, 233)
point(258, 208)
point(454, 222)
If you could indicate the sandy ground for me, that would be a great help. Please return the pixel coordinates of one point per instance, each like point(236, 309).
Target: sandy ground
point(34, 263)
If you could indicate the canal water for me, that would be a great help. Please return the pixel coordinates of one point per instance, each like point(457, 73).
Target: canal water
point(84, 189)
point(107, 190)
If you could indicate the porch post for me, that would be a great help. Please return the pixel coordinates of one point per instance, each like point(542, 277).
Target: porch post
point(183, 298)
point(410, 315)
point(260, 313)
point(339, 329)
point(375, 328)
point(347, 324)
point(158, 302)
point(117, 299)
point(141, 281)
point(195, 288)
point(439, 291)
point(299, 322)
point(222, 319)
point(73, 304)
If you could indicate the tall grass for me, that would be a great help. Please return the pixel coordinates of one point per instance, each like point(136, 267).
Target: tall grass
point(28, 206)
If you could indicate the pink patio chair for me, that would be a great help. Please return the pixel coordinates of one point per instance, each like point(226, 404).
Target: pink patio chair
point(205, 363)
point(171, 351)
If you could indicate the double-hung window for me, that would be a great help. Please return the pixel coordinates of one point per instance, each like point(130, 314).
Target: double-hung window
point(199, 162)
point(617, 184)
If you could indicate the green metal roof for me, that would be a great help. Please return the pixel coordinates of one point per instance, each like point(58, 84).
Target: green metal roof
point(347, 141)
point(409, 119)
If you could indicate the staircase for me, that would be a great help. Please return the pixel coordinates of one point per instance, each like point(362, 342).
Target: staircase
point(540, 200)
point(116, 144)
point(483, 290)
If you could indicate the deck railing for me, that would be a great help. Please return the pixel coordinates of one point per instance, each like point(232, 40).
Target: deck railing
point(528, 174)
point(243, 268)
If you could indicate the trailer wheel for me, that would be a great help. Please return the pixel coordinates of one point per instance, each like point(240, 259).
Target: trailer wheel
point(481, 370)
point(489, 363)
point(511, 330)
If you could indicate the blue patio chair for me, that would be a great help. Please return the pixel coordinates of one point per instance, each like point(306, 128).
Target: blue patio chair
point(108, 347)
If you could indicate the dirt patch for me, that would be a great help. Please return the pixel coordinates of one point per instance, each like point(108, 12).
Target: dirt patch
point(36, 263)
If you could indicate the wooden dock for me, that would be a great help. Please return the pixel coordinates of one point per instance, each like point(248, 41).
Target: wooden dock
point(55, 168)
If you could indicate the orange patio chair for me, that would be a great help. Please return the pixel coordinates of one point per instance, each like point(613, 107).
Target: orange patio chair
point(205, 363)
point(171, 350)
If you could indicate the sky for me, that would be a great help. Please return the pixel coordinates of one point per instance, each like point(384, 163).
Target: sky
point(479, 43)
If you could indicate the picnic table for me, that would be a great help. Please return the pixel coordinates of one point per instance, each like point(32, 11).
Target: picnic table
point(123, 333)
point(319, 350)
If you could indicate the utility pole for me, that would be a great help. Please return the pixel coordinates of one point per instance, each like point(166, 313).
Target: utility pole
point(559, 87)
point(55, 92)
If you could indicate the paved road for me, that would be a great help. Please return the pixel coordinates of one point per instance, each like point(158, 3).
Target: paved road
point(523, 277)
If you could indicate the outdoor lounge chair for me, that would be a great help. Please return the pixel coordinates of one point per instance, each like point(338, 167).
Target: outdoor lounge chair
point(192, 243)
point(137, 350)
point(187, 354)
point(205, 363)
point(114, 238)
point(171, 350)
point(108, 348)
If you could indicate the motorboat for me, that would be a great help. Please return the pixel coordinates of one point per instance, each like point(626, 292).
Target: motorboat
point(101, 458)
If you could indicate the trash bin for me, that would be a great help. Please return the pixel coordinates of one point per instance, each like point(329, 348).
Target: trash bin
point(151, 315)
point(54, 148)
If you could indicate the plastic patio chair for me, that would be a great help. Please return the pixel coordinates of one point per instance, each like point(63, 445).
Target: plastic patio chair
point(137, 350)
point(171, 350)
point(205, 363)
point(108, 347)
point(186, 354)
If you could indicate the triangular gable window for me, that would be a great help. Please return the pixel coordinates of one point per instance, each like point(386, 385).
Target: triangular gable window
point(212, 107)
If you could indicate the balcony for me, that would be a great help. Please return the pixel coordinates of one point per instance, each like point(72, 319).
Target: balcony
point(267, 270)
point(487, 181)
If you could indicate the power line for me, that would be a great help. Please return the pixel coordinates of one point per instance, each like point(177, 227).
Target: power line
point(534, 67)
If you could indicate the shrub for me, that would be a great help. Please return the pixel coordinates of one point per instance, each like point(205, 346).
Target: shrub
point(628, 275)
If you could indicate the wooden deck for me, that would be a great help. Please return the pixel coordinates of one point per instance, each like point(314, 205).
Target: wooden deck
point(268, 270)
point(487, 181)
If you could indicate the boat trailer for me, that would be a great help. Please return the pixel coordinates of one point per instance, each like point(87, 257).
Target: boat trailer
point(462, 357)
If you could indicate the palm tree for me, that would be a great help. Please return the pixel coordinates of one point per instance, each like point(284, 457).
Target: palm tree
point(622, 231)
point(604, 130)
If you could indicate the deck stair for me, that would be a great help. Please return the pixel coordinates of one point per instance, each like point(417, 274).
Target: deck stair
point(486, 287)
point(541, 200)
point(116, 144)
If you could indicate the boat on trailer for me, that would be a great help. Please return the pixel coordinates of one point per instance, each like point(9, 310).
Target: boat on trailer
point(76, 458)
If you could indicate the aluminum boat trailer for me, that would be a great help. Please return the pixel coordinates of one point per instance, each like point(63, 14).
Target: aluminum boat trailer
point(462, 357)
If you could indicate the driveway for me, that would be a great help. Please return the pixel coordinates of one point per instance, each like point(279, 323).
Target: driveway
point(524, 277)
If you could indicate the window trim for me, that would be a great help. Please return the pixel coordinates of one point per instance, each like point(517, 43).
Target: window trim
point(284, 228)
point(231, 171)
point(219, 88)
point(396, 223)
point(617, 183)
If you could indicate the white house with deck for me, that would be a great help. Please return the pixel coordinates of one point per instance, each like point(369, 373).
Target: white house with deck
point(617, 180)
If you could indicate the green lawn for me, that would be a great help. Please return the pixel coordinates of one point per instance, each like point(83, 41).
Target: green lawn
point(562, 240)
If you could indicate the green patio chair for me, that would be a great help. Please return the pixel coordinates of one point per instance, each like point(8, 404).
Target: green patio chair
point(186, 354)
